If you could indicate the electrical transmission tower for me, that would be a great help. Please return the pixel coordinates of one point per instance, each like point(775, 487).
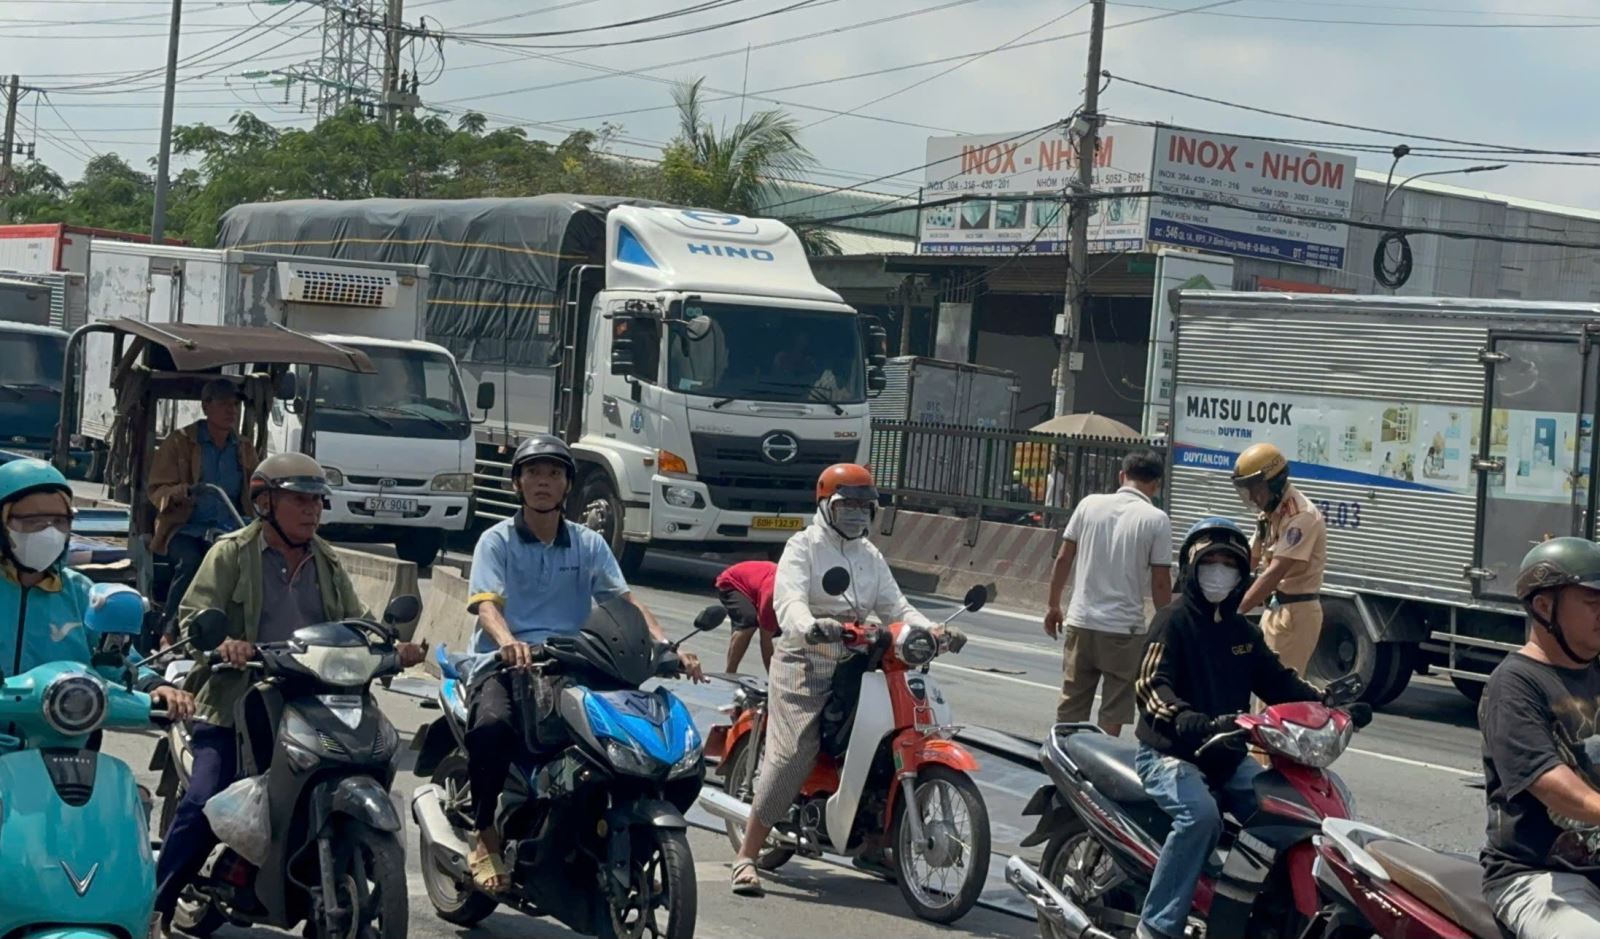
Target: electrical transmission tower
point(351, 68)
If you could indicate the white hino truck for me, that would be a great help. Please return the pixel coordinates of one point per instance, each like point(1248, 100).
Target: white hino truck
point(398, 444)
point(1441, 438)
point(701, 373)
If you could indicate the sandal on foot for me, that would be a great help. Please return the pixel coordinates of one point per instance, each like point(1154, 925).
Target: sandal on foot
point(489, 873)
point(746, 882)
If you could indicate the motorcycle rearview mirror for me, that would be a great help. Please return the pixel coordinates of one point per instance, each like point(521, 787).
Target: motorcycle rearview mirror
point(710, 618)
point(402, 609)
point(836, 581)
point(977, 598)
point(208, 629)
point(1343, 691)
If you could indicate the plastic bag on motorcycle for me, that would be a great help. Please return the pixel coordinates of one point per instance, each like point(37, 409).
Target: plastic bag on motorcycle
point(239, 816)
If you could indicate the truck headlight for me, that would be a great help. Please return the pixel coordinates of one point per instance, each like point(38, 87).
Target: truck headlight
point(452, 482)
point(335, 478)
point(684, 498)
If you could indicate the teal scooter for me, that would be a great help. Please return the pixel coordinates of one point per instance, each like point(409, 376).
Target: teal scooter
point(75, 857)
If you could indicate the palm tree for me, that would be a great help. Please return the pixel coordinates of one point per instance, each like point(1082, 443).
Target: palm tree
point(733, 169)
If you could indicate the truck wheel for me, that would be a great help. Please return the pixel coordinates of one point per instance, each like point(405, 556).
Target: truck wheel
point(600, 509)
point(1394, 662)
point(1346, 648)
point(1470, 688)
point(420, 547)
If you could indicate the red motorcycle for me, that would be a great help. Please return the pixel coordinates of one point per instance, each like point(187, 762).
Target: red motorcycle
point(1104, 835)
point(886, 745)
point(1397, 889)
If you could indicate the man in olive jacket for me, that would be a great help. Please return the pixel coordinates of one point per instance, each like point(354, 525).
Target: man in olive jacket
point(271, 578)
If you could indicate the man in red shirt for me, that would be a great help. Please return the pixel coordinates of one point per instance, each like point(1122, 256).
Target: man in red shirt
point(745, 590)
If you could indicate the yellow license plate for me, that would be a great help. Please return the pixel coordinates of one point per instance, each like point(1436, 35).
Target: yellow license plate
point(778, 524)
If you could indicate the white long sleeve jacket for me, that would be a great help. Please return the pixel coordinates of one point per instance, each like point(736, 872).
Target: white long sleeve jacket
point(798, 597)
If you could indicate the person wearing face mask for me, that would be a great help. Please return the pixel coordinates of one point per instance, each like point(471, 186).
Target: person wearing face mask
point(1202, 665)
point(808, 646)
point(43, 604)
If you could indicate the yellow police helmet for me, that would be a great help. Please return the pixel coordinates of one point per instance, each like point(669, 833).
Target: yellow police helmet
point(1261, 475)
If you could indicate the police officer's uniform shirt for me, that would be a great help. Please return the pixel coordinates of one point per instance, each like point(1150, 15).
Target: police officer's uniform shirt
point(542, 589)
point(1297, 532)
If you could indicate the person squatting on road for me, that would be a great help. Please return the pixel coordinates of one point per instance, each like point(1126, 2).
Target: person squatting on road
point(1203, 663)
point(534, 575)
point(809, 647)
point(272, 578)
point(1290, 552)
point(745, 591)
point(1541, 752)
point(47, 601)
point(1114, 545)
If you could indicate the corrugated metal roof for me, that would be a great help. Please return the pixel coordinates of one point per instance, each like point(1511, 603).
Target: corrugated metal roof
point(808, 200)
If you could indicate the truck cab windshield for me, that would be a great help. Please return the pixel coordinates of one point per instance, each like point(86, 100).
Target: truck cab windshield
point(759, 353)
point(32, 362)
point(412, 394)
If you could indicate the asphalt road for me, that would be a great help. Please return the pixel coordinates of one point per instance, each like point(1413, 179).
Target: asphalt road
point(1415, 771)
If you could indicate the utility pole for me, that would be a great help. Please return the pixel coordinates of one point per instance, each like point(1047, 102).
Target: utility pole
point(1087, 128)
point(158, 220)
point(13, 94)
point(396, 95)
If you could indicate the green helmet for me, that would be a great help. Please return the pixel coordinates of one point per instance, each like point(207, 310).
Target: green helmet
point(20, 477)
point(1558, 563)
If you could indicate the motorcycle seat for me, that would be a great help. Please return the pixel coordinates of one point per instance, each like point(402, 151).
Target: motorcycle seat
point(1452, 884)
point(1107, 762)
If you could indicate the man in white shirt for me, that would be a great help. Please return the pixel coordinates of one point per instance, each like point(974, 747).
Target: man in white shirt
point(1114, 545)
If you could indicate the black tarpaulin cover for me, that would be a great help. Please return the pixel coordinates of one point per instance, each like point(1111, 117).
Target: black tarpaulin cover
point(496, 265)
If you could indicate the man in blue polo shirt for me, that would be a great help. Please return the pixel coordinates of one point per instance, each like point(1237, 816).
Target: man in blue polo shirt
point(534, 576)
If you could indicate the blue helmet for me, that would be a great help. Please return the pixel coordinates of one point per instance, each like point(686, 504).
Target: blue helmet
point(1214, 533)
point(21, 477)
point(115, 609)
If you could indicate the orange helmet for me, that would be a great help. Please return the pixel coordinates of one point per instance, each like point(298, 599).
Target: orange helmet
point(849, 480)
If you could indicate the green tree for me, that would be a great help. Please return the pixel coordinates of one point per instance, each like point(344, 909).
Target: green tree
point(37, 195)
point(733, 169)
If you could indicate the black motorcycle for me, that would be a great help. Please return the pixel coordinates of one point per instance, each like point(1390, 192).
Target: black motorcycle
point(594, 830)
point(312, 726)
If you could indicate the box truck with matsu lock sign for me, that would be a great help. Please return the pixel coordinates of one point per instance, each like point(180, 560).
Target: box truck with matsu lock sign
point(397, 444)
point(702, 375)
point(1441, 439)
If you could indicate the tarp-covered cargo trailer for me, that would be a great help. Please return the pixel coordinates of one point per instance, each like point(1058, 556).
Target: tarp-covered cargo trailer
point(1441, 439)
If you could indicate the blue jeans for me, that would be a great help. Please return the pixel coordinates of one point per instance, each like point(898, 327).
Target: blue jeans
point(1180, 788)
point(190, 840)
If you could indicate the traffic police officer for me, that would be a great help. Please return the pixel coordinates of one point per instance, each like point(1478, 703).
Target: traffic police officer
point(1290, 553)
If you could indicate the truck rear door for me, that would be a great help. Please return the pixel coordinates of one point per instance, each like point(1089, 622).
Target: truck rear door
point(1534, 451)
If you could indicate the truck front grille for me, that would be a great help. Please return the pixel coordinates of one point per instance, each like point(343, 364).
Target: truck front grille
point(742, 479)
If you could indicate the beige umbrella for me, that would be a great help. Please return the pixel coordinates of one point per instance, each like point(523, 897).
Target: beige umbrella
point(1088, 425)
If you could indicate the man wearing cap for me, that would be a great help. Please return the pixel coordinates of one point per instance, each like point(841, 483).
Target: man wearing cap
point(207, 453)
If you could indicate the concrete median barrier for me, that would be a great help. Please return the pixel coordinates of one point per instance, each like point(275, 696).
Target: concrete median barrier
point(378, 580)
point(932, 554)
point(445, 619)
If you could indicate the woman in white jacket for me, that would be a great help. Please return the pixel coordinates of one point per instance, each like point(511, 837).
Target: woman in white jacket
point(808, 647)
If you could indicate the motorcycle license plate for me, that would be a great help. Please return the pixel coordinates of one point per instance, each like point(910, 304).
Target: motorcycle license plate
point(380, 505)
point(778, 524)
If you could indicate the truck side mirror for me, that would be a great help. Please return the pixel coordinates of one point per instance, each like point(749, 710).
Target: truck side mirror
point(622, 358)
point(877, 381)
point(283, 388)
point(485, 395)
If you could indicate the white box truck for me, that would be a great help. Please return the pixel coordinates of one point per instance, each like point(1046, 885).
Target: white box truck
point(398, 444)
point(1441, 438)
point(701, 373)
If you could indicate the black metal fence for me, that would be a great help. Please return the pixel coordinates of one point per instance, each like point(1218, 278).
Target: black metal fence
point(998, 475)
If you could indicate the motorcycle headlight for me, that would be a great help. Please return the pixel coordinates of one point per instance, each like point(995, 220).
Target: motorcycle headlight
point(627, 757)
point(918, 647)
point(343, 666)
point(452, 482)
point(693, 751)
point(1316, 747)
point(74, 704)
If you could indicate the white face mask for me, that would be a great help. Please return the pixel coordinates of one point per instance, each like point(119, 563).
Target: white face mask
point(1217, 581)
point(851, 522)
point(38, 550)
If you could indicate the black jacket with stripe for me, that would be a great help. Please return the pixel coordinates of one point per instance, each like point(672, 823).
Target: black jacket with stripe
point(1206, 660)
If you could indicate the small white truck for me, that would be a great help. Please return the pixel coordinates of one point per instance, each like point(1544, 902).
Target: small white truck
point(398, 444)
point(1442, 439)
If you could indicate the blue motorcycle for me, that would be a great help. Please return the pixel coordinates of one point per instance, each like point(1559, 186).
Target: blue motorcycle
point(594, 830)
point(75, 857)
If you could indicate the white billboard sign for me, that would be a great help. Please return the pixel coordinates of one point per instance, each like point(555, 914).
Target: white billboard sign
point(1256, 180)
point(1015, 165)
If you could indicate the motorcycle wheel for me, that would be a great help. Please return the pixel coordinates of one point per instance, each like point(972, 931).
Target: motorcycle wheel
point(457, 904)
point(1062, 858)
point(372, 878)
point(741, 774)
point(663, 881)
point(943, 796)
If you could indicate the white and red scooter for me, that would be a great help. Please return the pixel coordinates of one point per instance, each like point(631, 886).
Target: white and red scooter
point(887, 743)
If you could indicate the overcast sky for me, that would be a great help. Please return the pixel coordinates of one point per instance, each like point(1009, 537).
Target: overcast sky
point(1502, 83)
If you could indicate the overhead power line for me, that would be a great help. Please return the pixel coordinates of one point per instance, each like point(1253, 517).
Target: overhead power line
point(702, 7)
point(1393, 24)
point(680, 34)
